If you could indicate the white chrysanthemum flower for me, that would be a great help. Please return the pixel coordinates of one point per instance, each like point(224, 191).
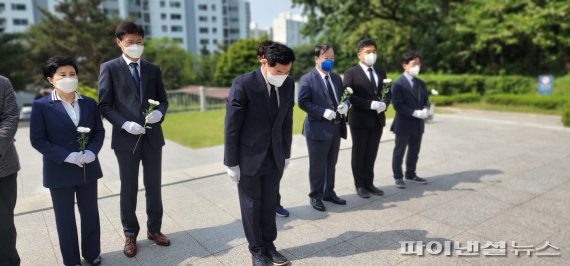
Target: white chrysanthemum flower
point(153, 102)
point(434, 92)
point(83, 129)
point(349, 90)
point(387, 81)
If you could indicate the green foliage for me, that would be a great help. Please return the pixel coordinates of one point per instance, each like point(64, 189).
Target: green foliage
point(454, 84)
point(13, 53)
point(304, 60)
point(240, 58)
point(88, 91)
point(481, 36)
point(548, 102)
point(176, 65)
point(566, 115)
point(82, 32)
point(443, 100)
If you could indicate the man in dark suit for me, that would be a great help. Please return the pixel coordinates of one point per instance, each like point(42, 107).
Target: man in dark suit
point(366, 117)
point(320, 93)
point(125, 86)
point(9, 167)
point(258, 135)
point(410, 100)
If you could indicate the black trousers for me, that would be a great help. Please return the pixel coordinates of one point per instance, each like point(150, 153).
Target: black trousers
point(129, 172)
point(258, 196)
point(63, 200)
point(323, 156)
point(413, 143)
point(8, 194)
point(365, 142)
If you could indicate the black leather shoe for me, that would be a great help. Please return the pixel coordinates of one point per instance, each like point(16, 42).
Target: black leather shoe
point(318, 204)
point(362, 192)
point(336, 200)
point(95, 262)
point(260, 260)
point(375, 191)
point(276, 258)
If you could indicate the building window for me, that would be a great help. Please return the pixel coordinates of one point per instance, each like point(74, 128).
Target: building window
point(164, 28)
point(178, 40)
point(204, 41)
point(203, 19)
point(214, 30)
point(175, 4)
point(175, 16)
point(146, 17)
point(162, 4)
point(203, 7)
point(147, 30)
point(214, 7)
point(18, 7)
point(203, 30)
point(215, 41)
point(176, 28)
point(162, 16)
point(214, 19)
point(20, 21)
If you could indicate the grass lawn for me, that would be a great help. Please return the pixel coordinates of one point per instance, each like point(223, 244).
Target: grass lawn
point(506, 108)
point(205, 129)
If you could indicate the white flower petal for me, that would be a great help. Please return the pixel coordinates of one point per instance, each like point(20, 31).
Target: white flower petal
point(349, 89)
point(386, 81)
point(434, 92)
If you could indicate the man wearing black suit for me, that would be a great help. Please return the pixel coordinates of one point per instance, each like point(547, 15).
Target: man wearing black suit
point(258, 135)
point(366, 117)
point(125, 86)
point(410, 100)
point(320, 93)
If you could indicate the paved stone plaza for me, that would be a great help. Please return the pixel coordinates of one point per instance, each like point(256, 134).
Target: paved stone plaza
point(492, 177)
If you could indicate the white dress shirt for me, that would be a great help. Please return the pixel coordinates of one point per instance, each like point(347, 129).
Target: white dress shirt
point(323, 75)
point(72, 108)
point(138, 62)
point(269, 89)
point(365, 68)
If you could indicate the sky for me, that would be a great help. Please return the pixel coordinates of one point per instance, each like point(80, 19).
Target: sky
point(264, 11)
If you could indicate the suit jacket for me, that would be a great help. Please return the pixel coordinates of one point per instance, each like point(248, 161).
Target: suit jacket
point(314, 99)
point(9, 115)
point(405, 104)
point(54, 135)
point(249, 131)
point(120, 101)
point(360, 115)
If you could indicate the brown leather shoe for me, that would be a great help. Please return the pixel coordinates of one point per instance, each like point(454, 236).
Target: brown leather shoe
point(130, 248)
point(158, 238)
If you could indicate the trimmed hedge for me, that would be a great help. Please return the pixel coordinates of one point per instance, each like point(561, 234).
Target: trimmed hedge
point(443, 100)
point(548, 102)
point(448, 84)
point(566, 115)
point(88, 91)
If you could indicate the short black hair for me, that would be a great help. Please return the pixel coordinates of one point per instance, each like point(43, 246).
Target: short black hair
point(409, 56)
point(262, 47)
point(128, 27)
point(321, 49)
point(278, 53)
point(56, 62)
point(365, 43)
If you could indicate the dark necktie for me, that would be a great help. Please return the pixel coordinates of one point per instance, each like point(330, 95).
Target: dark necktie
point(136, 78)
point(274, 102)
point(415, 89)
point(331, 93)
point(371, 73)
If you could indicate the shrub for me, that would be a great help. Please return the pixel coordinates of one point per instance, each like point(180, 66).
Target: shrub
point(443, 100)
point(88, 91)
point(566, 115)
point(548, 102)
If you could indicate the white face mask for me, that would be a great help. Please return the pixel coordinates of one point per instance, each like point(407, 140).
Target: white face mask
point(67, 85)
point(275, 80)
point(370, 59)
point(134, 51)
point(414, 71)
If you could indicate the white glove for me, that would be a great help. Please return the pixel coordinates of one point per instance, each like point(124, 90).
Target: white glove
point(88, 157)
point(329, 114)
point(133, 128)
point(74, 158)
point(234, 173)
point(382, 107)
point(421, 114)
point(342, 109)
point(286, 164)
point(375, 105)
point(153, 117)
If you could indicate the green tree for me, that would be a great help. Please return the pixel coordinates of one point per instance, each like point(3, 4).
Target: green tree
point(176, 64)
point(81, 31)
point(239, 58)
point(13, 54)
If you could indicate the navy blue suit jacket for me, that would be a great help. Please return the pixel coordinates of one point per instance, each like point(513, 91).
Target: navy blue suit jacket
point(249, 131)
point(405, 104)
point(120, 101)
point(360, 114)
point(314, 99)
point(54, 135)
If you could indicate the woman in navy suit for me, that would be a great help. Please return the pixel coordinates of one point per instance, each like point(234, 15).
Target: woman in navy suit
point(68, 172)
